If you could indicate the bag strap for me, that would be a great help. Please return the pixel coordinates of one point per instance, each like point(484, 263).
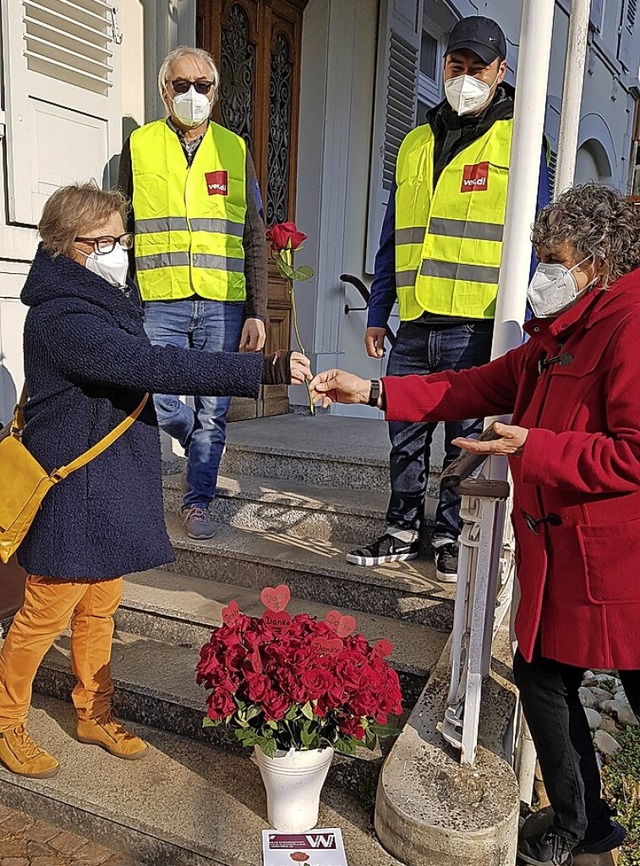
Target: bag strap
point(99, 447)
point(17, 422)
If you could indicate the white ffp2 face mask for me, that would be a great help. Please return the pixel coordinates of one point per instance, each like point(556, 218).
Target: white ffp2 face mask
point(112, 267)
point(466, 94)
point(191, 108)
point(553, 289)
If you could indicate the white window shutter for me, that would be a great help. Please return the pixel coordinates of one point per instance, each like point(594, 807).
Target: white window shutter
point(61, 62)
point(395, 106)
point(627, 47)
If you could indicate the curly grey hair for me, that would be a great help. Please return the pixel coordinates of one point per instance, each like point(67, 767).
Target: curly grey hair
point(598, 221)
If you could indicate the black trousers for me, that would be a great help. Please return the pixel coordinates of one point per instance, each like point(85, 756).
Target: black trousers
point(559, 728)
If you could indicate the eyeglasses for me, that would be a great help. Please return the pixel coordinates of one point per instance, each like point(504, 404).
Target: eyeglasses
point(106, 244)
point(181, 85)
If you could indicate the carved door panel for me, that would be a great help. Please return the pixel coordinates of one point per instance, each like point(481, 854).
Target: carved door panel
point(256, 44)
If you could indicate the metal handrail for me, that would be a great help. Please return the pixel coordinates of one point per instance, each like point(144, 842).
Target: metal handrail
point(365, 294)
point(467, 463)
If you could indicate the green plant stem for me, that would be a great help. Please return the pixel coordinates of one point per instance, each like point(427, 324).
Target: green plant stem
point(294, 315)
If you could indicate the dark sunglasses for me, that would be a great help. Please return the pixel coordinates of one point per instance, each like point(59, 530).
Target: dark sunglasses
point(106, 244)
point(181, 85)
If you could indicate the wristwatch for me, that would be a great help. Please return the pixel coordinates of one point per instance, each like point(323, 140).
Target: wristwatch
point(374, 393)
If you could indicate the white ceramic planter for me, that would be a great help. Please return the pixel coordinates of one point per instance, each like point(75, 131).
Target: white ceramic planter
point(293, 782)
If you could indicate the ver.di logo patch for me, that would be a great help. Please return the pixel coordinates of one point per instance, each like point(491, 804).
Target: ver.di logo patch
point(217, 182)
point(475, 178)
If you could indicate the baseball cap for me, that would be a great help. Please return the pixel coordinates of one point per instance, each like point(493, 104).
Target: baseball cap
point(481, 35)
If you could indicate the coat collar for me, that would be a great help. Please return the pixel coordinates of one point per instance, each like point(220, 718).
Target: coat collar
point(62, 279)
point(592, 308)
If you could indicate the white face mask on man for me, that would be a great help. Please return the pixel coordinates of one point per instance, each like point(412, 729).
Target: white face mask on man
point(554, 288)
point(112, 267)
point(466, 94)
point(191, 108)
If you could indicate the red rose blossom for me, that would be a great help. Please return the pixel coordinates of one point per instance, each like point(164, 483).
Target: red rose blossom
point(283, 236)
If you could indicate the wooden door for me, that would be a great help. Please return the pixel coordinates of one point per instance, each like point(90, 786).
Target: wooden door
point(256, 44)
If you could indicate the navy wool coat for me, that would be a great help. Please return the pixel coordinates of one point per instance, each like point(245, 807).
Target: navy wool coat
point(88, 363)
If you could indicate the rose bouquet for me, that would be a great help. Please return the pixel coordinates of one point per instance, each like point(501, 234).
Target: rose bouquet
point(287, 682)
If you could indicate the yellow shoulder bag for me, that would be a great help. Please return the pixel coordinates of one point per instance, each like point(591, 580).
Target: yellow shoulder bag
point(24, 483)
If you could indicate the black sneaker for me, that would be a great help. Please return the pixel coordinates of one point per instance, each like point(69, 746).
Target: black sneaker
point(613, 840)
point(446, 557)
point(387, 548)
point(550, 849)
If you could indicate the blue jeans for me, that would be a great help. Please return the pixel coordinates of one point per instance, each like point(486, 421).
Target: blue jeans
point(211, 326)
point(422, 349)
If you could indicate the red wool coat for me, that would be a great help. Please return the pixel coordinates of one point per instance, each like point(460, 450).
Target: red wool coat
point(580, 575)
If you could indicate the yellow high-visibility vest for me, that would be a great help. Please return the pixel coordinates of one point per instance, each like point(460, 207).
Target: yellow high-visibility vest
point(189, 220)
point(449, 239)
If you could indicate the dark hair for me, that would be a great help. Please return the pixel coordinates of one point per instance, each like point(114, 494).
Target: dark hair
point(598, 221)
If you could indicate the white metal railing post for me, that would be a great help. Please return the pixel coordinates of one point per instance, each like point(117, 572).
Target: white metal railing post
point(572, 94)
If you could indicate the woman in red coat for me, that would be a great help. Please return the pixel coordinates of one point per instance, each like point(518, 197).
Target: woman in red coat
point(573, 390)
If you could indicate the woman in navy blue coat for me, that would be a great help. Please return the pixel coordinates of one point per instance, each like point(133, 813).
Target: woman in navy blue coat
point(88, 364)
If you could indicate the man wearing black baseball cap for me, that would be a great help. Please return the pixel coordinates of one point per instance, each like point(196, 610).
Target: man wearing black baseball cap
point(439, 257)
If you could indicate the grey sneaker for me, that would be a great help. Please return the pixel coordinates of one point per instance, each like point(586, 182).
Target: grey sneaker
point(198, 522)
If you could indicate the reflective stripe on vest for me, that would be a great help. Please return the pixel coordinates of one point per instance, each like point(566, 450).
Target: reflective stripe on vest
point(189, 221)
point(449, 240)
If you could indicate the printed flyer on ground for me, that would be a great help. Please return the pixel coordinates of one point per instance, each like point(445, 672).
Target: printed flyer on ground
point(315, 848)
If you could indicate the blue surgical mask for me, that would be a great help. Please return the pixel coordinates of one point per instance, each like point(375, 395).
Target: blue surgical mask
point(553, 289)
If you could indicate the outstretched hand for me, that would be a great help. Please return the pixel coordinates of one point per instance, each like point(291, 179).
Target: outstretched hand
point(511, 441)
point(336, 386)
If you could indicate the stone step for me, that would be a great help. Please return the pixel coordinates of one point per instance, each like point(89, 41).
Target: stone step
point(183, 804)
point(281, 505)
point(183, 610)
point(323, 451)
point(315, 571)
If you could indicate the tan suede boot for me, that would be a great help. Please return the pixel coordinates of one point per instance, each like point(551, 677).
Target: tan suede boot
point(22, 756)
point(109, 733)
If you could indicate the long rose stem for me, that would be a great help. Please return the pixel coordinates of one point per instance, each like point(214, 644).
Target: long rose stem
point(312, 408)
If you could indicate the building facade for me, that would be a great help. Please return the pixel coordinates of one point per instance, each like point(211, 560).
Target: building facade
point(322, 91)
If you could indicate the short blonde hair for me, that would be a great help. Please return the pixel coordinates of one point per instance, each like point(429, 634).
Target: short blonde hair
point(187, 51)
point(74, 210)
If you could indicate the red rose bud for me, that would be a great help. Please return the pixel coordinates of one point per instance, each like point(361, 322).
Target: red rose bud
point(284, 236)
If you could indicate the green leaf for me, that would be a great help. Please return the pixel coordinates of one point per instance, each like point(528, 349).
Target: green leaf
point(370, 740)
point(346, 746)
point(302, 273)
point(268, 746)
point(307, 710)
point(252, 712)
point(385, 730)
point(209, 723)
point(292, 713)
point(285, 269)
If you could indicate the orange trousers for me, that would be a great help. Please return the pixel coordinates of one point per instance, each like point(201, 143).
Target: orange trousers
point(48, 606)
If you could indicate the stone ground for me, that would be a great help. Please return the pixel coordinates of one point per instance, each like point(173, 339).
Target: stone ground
point(25, 841)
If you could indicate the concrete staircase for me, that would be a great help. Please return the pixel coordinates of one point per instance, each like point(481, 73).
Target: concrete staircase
point(295, 494)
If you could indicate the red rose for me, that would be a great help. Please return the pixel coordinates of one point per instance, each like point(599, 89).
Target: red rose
point(316, 681)
point(257, 687)
point(275, 706)
point(220, 705)
point(352, 727)
point(283, 236)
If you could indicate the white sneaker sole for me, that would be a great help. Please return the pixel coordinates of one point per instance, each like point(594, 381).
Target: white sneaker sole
point(444, 577)
point(380, 560)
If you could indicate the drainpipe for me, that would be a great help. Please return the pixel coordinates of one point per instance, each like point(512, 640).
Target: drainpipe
point(572, 94)
point(534, 57)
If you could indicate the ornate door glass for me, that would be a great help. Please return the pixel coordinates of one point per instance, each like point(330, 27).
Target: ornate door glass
point(279, 151)
point(237, 75)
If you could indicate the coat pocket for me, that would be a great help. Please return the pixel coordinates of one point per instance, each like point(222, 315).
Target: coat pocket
point(611, 559)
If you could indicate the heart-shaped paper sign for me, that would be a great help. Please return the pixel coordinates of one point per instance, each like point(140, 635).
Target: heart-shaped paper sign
point(327, 646)
point(342, 625)
point(231, 614)
point(382, 649)
point(275, 599)
point(279, 621)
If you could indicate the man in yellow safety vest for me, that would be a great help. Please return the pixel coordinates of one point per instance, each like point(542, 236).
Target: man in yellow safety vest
point(200, 256)
point(439, 258)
